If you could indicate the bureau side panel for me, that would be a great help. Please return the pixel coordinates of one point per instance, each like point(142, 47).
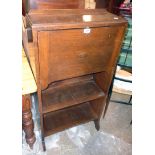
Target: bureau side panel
point(44, 59)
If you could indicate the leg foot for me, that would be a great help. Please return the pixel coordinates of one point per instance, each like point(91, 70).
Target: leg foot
point(97, 125)
point(43, 144)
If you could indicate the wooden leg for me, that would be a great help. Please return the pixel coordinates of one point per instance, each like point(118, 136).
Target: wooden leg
point(107, 104)
point(97, 124)
point(42, 132)
point(43, 144)
point(27, 122)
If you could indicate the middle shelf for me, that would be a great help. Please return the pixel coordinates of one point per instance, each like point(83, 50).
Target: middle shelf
point(70, 94)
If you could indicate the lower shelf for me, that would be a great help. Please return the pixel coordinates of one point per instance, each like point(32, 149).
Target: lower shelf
point(68, 117)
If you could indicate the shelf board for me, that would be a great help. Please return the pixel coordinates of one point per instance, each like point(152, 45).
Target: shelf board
point(63, 119)
point(70, 94)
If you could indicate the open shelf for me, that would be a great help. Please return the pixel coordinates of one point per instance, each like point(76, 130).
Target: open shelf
point(68, 117)
point(70, 94)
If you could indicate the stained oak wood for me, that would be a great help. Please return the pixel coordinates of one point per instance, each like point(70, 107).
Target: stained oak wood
point(68, 12)
point(55, 4)
point(64, 19)
point(73, 67)
point(102, 3)
point(28, 5)
point(68, 117)
point(79, 56)
point(70, 94)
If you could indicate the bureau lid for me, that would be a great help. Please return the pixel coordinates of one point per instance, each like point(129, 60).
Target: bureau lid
point(72, 18)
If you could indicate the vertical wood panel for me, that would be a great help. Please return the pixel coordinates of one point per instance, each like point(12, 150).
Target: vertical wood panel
point(43, 41)
point(56, 4)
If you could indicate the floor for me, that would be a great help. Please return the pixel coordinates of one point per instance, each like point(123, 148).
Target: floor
point(114, 137)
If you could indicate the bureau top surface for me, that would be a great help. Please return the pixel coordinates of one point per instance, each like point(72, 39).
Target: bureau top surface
point(75, 18)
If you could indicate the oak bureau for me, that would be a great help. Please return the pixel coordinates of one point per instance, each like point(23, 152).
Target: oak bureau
point(73, 55)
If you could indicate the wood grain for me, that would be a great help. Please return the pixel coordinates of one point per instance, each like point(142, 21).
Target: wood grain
point(74, 69)
point(84, 56)
point(75, 18)
point(55, 4)
point(66, 118)
point(58, 97)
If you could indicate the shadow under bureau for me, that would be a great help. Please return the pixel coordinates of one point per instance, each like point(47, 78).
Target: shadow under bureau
point(73, 55)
